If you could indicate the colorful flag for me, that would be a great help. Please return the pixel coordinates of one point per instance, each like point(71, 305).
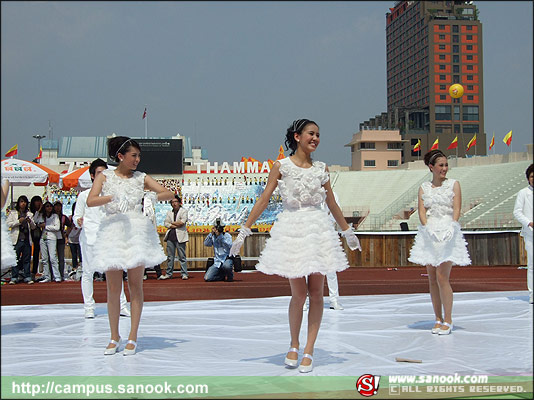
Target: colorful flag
point(435, 146)
point(472, 142)
point(12, 151)
point(281, 154)
point(508, 138)
point(40, 154)
point(454, 143)
point(417, 146)
point(492, 143)
point(144, 114)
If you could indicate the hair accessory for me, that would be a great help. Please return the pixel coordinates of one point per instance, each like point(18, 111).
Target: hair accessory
point(440, 154)
point(126, 141)
point(298, 124)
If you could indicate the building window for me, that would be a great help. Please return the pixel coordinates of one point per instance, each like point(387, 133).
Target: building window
point(456, 113)
point(469, 97)
point(455, 28)
point(455, 58)
point(367, 145)
point(369, 163)
point(469, 67)
point(469, 37)
point(456, 128)
point(441, 37)
point(469, 57)
point(442, 128)
point(456, 79)
point(470, 128)
point(442, 47)
point(469, 47)
point(469, 77)
point(442, 97)
point(469, 28)
point(442, 77)
point(455, 48)
point(443, 113)
point(469, 87)
point(395, 146)
point(442, 56)
point(393, 163)
point(442, 67)
point(442, 87)
point(441, 27)
point(455, 39)
point(470, 113)
point(456, 69)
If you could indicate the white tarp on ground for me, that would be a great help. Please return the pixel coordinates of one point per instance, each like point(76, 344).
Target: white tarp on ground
point(492, 335)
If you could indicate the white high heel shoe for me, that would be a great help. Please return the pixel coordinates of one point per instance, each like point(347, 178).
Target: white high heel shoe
point(290, 362)
point(112, 350)
point(130, 352)
point(436, 330)
point(445, 331)
point(306, 368)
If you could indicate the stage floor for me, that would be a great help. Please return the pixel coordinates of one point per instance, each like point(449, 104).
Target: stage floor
point(493, 333)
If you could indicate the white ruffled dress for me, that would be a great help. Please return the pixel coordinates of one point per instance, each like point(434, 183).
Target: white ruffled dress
point(128, 239)
point(303, 240)
point(8, 252)
point(9, 257)
point(426, 250)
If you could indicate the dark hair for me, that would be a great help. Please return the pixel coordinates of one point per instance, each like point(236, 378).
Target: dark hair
point(21, 197)
point(432, 156)
point(73, 207)
point(297, 126)
point(46, 203)
point(120, 145)
point(95, 164)
point(176, 197)
point(529, 170)
point(33, 207)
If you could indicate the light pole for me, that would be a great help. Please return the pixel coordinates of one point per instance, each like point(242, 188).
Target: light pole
point(39, 137)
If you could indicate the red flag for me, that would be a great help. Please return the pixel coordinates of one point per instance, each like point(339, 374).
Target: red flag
point(144, 114)
point(492, 143)
point(12, 152)
point(472, 142)
point(435, 146)
point(40, 154)
point(454, 144)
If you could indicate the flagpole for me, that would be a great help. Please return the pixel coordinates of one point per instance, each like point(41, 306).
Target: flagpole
point(146, 122)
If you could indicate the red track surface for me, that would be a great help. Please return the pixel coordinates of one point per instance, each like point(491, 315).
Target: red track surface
point(354, 281)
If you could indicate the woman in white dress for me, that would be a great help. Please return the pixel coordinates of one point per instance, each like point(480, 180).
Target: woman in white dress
point(9, 257)
point(439, 243)
point(303, 241)
point(126, 240)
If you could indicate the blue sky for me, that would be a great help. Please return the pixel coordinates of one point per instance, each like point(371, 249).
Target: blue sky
point(230, 75)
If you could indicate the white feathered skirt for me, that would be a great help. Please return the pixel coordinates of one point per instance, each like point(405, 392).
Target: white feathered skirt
point(302, 243)
point(126, 241)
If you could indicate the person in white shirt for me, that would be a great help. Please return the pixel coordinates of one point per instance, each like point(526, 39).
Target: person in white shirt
point(176, 237)
point(48, 222)
point(88, 218)
point(523, 213)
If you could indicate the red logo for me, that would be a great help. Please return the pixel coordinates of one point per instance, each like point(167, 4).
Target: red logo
point(367, 385)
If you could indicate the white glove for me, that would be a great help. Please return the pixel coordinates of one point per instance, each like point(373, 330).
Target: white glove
point(119, 202)
point(352, 240)
point(149, 202)
point(238, 242)
point(443, 235)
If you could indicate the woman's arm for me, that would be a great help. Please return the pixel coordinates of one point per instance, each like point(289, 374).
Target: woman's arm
point(263, 201)
point(334, 207)
point(421, 210)
point(163, 194)
point(55, 225)
point(94, 199)
point(456, 201)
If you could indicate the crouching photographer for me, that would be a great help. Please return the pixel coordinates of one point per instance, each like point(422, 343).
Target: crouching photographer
point(221, 266)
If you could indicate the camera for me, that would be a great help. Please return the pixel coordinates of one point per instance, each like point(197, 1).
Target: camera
point(219, 226)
